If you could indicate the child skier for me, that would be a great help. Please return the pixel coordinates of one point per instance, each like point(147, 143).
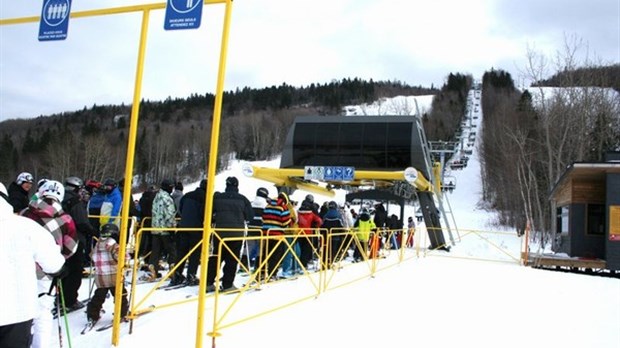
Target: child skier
point(105, 258)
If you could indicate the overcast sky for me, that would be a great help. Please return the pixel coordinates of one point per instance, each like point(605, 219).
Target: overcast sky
point(282, 41)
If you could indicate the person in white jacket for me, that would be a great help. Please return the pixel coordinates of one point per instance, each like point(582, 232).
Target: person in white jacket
point(23, 243)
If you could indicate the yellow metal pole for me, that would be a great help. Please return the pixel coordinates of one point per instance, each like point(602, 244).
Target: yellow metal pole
point(211, 169)
point(437, 177)
point(127, 200)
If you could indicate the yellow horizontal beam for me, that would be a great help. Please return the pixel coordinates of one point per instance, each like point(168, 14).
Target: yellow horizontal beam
point(292, 177)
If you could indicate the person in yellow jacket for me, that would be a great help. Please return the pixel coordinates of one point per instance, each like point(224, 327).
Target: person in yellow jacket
point(290, 266)
point(364, 226)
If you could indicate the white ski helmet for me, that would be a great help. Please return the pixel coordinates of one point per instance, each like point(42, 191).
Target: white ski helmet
point(24, 177)
point(52, 189)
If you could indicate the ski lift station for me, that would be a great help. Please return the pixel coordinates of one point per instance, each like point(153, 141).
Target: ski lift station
point(383, 159)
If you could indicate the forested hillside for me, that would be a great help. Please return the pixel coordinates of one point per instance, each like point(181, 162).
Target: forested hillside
point(174, 134)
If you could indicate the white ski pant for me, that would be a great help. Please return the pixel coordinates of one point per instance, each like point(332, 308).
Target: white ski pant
point(45, 333)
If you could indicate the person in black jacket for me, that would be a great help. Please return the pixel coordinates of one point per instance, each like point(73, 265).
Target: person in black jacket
point(146, 217)
point(75, 206)
point(192, 211)
point(231, 210)
point(19, 191)
point(251, 258)
point(332, 224)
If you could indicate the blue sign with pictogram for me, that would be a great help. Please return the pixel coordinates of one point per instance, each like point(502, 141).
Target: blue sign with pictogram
point(183, 14)
point(339, 173)
point(328, 174)
point(348, 173)
point(54, 20)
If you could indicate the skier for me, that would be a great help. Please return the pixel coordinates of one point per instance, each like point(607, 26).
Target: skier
point(308, 220)
point(105, 258)
point(330, 229)
point(254, 246)
point(365, 225)
point(192, 210)
point(276, 219)
point(75, 206)
point(19, 191)
point(164, 214)
point(48, 213)
point(111, 206)
point(22, 241)
point(231, 211)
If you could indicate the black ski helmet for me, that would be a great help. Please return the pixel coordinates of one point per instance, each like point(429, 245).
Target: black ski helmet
point(232, 181)
point(262, 192)
point(74, 182)
point(109, 230)
point(167, 185)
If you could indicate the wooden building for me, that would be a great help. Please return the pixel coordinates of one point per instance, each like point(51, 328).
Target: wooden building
point(586, 201)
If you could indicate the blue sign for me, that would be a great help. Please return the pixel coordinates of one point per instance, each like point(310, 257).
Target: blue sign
point(329, 173)
point(183, 14)
point(54, 20)
point(339, 173)
point(348, 173)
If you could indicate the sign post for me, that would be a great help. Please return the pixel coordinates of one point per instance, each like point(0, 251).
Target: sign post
point(183, 14)
point(54, 22)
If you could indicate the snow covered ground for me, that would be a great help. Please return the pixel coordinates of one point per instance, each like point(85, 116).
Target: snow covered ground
point(437, 299)
point(397, 106)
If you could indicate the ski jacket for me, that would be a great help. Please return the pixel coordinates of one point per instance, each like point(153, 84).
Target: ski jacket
point(231, 210)
point(49, 214)
point(332, 221)
point(192, 208)
point(307, 219)
point(105, 259)
point(258, 206)
point(381, 216)
point(276, 217)
point(111, 208)
point(23, 241)
point(74, 206)
point(364, 226)
point(146, 208)
point(18, 197)
point(164, 212)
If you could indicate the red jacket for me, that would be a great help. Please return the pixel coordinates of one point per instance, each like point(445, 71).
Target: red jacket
point(307, 219)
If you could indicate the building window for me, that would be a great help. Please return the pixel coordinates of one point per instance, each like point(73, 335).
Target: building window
point(562, 220)
point(596, 219)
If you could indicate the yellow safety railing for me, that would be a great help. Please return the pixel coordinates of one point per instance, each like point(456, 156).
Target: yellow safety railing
point(332, 267)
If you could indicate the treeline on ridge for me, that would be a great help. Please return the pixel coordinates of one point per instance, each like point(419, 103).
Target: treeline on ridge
point(174, 135)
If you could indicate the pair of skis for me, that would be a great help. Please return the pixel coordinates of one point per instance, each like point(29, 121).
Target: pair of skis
point(91, 324)
point(172, 287)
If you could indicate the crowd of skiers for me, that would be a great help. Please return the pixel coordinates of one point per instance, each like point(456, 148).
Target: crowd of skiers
point(61, 211)
point(82, 219)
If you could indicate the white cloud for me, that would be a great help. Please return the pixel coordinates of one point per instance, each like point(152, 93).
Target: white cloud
point(281, 41)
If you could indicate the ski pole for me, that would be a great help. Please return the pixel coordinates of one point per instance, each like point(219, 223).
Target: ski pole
point(58, 314)
point(91, 280)
point(62, 299)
